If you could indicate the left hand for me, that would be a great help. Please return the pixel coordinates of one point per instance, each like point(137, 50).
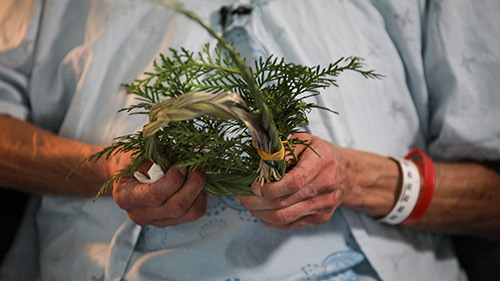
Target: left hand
point(175, 198)
point(309, 193)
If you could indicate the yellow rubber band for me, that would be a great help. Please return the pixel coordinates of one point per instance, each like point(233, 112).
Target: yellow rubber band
point(280, 155)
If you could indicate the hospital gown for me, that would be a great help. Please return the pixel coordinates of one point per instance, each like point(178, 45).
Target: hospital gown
point(63, 69)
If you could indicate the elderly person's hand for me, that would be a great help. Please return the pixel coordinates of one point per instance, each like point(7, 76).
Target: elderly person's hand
point(175, 198)
point(309, 193)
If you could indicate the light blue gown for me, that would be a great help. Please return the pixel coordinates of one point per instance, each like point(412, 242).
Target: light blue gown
point(63, 68)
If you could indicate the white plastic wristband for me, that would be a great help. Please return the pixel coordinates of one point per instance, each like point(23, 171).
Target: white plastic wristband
point(409, 193)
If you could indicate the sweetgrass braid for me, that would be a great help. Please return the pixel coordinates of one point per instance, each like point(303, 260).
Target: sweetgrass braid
point(225, 106)
point(267, 138)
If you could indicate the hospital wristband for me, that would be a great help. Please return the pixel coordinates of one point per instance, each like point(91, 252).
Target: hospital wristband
point(409, 194)
point(426, 167)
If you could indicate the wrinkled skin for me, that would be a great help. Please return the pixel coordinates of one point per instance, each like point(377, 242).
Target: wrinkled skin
point(307, 195)
point(176, 198)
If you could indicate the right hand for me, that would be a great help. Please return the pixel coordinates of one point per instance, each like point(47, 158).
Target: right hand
point(176, 198)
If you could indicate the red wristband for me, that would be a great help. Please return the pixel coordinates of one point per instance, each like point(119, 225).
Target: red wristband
point(426, 168)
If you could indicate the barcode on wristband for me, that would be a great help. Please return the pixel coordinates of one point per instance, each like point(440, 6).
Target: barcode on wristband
point(409, 193)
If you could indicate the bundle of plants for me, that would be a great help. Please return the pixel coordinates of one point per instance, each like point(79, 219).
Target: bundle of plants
point(212, 112)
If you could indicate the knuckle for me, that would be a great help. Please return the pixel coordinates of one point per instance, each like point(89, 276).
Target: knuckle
point(267, 193)
point(199, 179)
point(154, 197)
point(120, 199)
point(282, 227)
point(176, 208)
point(297, 182)
point(195, 213)
point(281, 217)
point(200, 211)
point(276, 204)
point(161, 223)
point(139, 220)
point(154, 200)
point(281, 203)
point(321, 219)
point(121, 203)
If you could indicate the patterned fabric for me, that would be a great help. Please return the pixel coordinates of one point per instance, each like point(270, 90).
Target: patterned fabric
point(231, 244)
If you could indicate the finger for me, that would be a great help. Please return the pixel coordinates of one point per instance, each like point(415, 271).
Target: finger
point(174, 207)
point(317, 205)
point(298, 149)
point(304, 137)
point(131, 193)
point(308, 168)
point(256, 203)
point(303, 173)
point(178, 204)
point(197, 210)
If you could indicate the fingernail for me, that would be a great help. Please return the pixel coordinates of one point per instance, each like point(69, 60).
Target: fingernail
point(183, 171)
point(257, 189)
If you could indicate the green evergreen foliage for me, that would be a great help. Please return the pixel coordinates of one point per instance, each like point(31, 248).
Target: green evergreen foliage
point(191, 125)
